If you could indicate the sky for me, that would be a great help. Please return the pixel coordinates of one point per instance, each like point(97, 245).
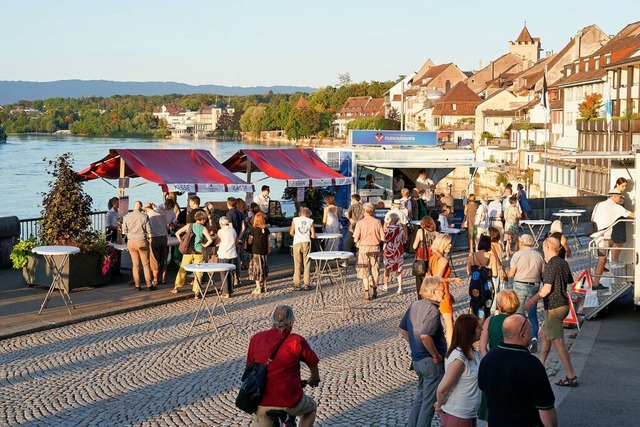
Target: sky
point(277, 42)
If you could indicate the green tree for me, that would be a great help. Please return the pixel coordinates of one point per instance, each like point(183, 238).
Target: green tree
point(66, 213)
point(303, 122)
point(252, 120)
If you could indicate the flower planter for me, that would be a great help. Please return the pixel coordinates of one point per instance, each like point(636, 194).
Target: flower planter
point(82, 270)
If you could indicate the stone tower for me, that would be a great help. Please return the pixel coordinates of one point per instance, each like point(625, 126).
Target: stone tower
point(526, 47)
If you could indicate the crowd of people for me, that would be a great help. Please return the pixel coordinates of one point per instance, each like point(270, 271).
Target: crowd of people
point(480, 366)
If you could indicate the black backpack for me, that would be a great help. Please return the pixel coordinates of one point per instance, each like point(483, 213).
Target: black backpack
point(480, 291)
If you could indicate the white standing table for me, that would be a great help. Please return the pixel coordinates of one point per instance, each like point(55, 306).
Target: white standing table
point(210, 269)
point(327, 236)
point(536, 227)
point(574, 217)
point(49, 252)
point(323, 270)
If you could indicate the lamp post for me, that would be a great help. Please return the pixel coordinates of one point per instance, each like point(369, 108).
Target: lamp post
point(402, 103)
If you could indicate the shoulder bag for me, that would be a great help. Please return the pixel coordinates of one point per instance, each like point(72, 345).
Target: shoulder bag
point(187, 241)
point(254, 380)
point(419, 267)
point(502, 273)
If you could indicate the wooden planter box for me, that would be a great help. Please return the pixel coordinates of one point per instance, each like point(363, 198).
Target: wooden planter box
point(82, 270)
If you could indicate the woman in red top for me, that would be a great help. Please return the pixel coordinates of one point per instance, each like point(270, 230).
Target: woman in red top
point(439, 266)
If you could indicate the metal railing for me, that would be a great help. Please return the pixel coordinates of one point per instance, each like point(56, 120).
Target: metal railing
point(31, 226)
point(600, 244)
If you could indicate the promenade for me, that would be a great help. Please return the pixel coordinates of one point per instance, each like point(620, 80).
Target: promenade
point(122, 365)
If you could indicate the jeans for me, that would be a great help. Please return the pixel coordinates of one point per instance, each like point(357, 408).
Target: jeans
point(525, 292)
point(227, 285)
point(429, 376)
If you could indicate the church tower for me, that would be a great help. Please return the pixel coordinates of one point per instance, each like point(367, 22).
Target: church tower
point(526, 47)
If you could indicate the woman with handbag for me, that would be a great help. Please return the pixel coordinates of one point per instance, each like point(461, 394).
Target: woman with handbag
point(421, 244)
point(201, 240)
point(259, 242)
point(498, 272)
point(439, 266)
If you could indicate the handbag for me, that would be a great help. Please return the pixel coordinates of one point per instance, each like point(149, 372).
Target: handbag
point(186, 242)
point(419, 267)
point(502, 273)
point(254, 380)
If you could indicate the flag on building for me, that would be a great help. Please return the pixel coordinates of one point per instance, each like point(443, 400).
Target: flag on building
point(545, 91)
point(607, 104)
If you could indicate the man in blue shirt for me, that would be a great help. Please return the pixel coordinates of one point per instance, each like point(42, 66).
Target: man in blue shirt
point(422, 328)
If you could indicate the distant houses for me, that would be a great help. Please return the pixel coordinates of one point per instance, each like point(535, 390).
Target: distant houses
point(183, 123)
point(500, 108)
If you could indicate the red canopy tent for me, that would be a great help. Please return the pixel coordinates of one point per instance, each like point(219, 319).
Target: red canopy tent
point(175, 170)
point(299, 167)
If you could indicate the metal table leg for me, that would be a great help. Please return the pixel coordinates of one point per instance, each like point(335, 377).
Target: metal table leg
point(57, 283)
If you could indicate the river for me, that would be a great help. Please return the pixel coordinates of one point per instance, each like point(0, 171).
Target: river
point(23, 172)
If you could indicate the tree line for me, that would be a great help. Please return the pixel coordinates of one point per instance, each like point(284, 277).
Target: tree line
point(131, 115)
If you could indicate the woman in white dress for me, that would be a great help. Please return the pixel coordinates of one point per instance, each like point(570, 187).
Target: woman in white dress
point(331, 223)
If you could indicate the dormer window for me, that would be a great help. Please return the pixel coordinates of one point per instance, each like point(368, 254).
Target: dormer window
point(454, 107)
point(586, 65)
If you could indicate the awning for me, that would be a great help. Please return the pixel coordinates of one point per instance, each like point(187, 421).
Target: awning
point(175, 170)
point(299, 167)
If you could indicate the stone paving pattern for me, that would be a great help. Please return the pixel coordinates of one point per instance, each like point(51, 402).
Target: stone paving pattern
point(140, 369)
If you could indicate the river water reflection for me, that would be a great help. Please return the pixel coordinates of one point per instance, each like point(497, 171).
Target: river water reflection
point(24, 178)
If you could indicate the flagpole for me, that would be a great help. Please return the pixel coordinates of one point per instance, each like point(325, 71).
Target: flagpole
point(545, 102)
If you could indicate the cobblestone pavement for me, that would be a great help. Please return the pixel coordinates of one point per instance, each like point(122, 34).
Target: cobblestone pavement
point(139, 368)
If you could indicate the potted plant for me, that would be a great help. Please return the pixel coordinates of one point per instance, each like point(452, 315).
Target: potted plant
point(66, 221)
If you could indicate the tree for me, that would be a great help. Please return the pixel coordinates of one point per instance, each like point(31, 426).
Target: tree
point(344, 79)
point(590, 107)
point(303, 122)
point(66, 208)
point(252, 120)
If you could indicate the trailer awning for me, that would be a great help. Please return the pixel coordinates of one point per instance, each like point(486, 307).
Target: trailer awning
point(175, 170)
point(299, 167)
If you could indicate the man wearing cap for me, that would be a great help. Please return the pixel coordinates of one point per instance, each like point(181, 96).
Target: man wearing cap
point(604, 215)
point(526, 268)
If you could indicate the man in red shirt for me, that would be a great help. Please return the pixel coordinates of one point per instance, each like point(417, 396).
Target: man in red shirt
point(283, 389)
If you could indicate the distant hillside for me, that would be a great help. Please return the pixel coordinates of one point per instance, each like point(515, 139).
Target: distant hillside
point(13, 91)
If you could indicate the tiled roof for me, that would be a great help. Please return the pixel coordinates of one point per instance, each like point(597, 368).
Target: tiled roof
point(430, 73)
point(361, 106)
point(301, 103)
point(462, 98)
point(524, 36)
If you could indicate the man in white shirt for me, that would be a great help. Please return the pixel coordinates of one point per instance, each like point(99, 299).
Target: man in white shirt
point(263, 200)
point(604, 215)
point(303, 231)
point(495, 215)
point(227, 240)
point(398, 185)
point(423, 183)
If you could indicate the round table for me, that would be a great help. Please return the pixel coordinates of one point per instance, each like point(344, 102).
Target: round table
point(323, 270)
point(574, 217)
point(573, 210)
point(211, 268)
point(536, 233)
point(49, 253)
point(327, 236)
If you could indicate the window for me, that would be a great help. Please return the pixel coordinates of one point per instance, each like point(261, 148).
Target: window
point(586, 65)
point(607, 58)
point(454, 107)
point(596, 62)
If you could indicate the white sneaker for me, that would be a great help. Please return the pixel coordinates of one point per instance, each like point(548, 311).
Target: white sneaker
point(533, 348)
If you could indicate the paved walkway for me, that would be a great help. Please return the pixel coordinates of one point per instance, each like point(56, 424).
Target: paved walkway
point(139, 368)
